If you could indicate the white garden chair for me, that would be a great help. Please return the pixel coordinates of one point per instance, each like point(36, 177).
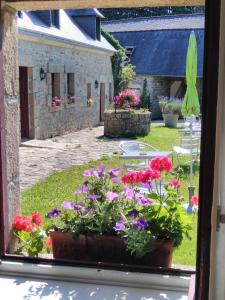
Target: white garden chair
point(129, 147)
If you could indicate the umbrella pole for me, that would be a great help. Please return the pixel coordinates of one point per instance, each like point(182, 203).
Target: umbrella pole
point(191, 188)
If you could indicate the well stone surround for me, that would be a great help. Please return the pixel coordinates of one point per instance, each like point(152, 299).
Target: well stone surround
point(126, 123)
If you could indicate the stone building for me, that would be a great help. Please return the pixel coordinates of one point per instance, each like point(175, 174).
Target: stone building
point(157, 47)
point(65, 71)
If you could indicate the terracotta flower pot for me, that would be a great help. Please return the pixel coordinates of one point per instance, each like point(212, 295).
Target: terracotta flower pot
point(109, 249)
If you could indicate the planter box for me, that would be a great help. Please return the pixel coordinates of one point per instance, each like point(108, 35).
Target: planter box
point(126, 123)
point(109, 249)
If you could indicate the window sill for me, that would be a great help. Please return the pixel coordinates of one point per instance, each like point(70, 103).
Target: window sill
point(96, 276)
point(71, 105)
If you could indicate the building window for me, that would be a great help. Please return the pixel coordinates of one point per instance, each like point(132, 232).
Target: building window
point(70, 88)
point(56, 99)
point(129, 52)
point(54, 16)
point(89, 98)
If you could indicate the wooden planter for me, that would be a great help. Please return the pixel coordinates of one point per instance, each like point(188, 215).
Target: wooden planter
point(110, 249)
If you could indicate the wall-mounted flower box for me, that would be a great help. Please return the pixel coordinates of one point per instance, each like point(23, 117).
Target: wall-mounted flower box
point(70, 101)
point(56, 104)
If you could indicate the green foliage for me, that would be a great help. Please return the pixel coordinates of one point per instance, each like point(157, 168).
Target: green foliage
point(122, 74)
point(170, 105)
point(31, 243)
point(124, 13)
point(112, 40)
point(145, 96)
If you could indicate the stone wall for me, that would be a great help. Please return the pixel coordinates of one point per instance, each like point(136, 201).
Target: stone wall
point(160, 86)
point(126, 123)
point(157, 86)
point(11, 115)
point(88, 66)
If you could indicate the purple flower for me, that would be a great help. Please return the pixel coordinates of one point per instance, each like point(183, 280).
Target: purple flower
point(90, 172)
point(115, 181)
point(54, 213)
point(87, 212)
point(111, 196)
point(140, 224)
point(102, 167)
point(142, 200)
point(129, 193)
point(81, 190)
point(120, 226)
point(78, 207)
point(68, 205)
point(94, 197)
point(147, 185)
point(114, 172)
point(133, 213)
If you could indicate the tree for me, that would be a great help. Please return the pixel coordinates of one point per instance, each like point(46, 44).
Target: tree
point(125, 13)
point(145, 96)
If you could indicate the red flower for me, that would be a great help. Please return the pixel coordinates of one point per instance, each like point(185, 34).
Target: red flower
point(48, 243)
point(161, 163)
point(174, 183)
point(150, 174)
point(194, 200)
point(132, 177)
point(21, 223)
point(36, 218)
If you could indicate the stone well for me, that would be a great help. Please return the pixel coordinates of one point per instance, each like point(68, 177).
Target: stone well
point(126, 123)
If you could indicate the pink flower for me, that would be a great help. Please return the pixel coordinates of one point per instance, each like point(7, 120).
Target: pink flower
point(127, 98)
point(195, 200)
point(174, 183)
point(161, 163)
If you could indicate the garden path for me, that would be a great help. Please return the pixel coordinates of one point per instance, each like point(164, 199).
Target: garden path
point(39, 158)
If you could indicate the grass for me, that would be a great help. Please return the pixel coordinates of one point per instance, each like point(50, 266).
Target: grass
point(50, 192)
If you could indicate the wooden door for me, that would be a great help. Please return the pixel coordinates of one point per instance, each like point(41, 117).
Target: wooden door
point(24, 104)
point(102, 101)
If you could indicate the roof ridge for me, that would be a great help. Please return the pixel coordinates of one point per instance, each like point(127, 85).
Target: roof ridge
point(174, 16)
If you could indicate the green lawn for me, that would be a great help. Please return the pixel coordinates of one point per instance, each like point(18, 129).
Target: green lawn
point(59, 186)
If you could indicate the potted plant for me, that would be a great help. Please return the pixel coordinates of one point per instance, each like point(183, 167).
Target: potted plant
point(171, 110)
point(110, 220)
point(29, 233)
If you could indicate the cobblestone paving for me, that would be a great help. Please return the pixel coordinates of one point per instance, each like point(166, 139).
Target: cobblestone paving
point(39, 158)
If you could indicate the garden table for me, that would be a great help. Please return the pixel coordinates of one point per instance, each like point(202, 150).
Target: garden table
point(146, 156)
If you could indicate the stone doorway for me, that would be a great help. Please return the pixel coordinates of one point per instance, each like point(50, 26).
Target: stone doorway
point(102, 101)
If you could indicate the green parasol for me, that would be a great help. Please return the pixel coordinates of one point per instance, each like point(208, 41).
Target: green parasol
point(190, 104)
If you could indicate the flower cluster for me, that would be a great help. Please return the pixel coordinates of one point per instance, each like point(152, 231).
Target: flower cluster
point(29, 233)
point(127, 98)
point(70, 99)
point(56, 101)
point(137, 206)
point(27, 223)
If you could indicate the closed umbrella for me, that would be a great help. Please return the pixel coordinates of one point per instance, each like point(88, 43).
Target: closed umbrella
point(190, 105)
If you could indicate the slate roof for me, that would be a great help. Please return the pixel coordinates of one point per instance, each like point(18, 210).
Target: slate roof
point(161, 50)
point(69, 32)
point(195, 21)
point(85, 12)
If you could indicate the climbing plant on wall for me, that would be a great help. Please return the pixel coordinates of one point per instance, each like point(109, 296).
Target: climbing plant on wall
point(122, 73)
